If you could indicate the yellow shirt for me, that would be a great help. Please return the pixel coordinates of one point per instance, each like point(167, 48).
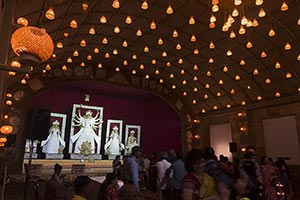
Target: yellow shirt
point(76, 197)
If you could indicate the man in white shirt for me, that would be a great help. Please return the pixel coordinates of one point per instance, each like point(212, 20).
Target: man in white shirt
point(162, 180)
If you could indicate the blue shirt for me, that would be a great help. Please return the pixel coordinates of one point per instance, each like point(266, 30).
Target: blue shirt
point(131, 169)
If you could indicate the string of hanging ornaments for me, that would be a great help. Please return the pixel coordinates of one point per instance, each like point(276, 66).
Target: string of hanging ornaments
point(235, 13)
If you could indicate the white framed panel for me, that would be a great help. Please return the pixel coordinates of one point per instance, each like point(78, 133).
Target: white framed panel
point(220, 137)
point(281, 139)
point(113, 140)
point(86, 126)
point(132, 137)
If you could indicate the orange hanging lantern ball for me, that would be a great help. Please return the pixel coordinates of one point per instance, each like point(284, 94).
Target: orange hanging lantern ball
point(6, 129)
point(32, 43)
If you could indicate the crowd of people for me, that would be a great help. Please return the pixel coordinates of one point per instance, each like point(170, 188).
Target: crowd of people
point(197, 175)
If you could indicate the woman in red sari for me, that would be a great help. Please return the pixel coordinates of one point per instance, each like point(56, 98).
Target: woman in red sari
point(109, 189)
point(271, 180)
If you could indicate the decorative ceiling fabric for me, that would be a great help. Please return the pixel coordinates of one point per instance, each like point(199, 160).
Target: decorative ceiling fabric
point(210, 56)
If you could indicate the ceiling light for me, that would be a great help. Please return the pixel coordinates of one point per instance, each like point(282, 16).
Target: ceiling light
point(104, 40)
point(237, 77)
point(195, 78)
point(182, 72)
point(153, 25)
point(133, 71)
point(128, 20)
point(212, 25)
point(115, 52)
point(229, 53)
point(116, 4)
point(215, 8)
point(195, 67)
point(178, 47)
point(211, 45)
point(175, 33)
point(298, 57)
point(64, 68)
point(287, 46)
point(92, 31)
point(75, 53)
point(82, 64)
point(277, 94)
point(59, 45)
point(255, 72)
point(232, 91)
point(218, 94)
point(164, 54)
point(259, 2)
point(261, 13)
point(184, 82)
point(146, 49)
point(259, 98)
point(180, 61)
point(232, 34)
point(84, 7)
point(73, 24)
point(142, 67)
point(211, 60)
point(168, 64)
point(160, 41)
point(195, 89)
point(268, 81)
point(173, 87)
point(50, 14)
point(272, 32)
point(235, 13)
point(196, 51)
point(144, 5)
point(103, 19)
point(161, 80)
point(83, 43)
point(96, 50)
point(125, 44)
point(205, 96)
point(125, 62)
point(117, 29)
point(106, 55)
point(22, 21)
point(157, 72)
point(147, 76)
point(215, 107)
point(207, 86)
point(263, 54)
point(171, 76)
point(203, 111)
point(225, 69)
point(193, 38)
point(169, 10)
point(212, 19)
point(134, 56)
point(69, 60)
point(242, 62)
point(277, 65)
point(242, 30)
point(244, 20)
point(284, 6)
point(237, 2)
point(288, 75)
point(153, 61)
point(139, 33)
point(221, 82)
point(255, 23)
point(249, 45)
point(192, 20)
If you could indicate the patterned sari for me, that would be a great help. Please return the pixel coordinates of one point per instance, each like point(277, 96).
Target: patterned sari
point(271, 179)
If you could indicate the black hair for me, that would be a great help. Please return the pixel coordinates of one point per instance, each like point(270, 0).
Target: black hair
point(80, 183)
point(57, 167)
point(192, 157)
point(110, 177)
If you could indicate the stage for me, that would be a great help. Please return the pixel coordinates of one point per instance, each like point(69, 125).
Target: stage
point(44, 168)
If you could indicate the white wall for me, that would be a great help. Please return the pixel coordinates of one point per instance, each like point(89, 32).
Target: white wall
point(220, 137)
point(281, 138)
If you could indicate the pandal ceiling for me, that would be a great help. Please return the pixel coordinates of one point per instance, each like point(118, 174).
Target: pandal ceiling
point(212, 58)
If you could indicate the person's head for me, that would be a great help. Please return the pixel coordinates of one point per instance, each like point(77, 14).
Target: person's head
point(110, 177)
point(57, 168)
point(136, 151)
point(172, 152)
point(251, 150)
point(81, 185)
point(118, 157)
point(128, 192)
point(163, 155)
point(209, 153)
point(194, 161)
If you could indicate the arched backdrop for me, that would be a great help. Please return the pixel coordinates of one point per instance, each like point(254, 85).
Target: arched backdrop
point(161, 126)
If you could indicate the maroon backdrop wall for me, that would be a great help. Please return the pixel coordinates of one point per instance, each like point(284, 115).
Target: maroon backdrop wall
point(160, 124)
